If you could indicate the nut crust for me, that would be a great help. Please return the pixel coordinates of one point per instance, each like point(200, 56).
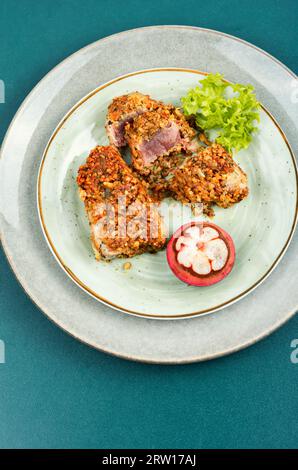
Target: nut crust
point(123, 219)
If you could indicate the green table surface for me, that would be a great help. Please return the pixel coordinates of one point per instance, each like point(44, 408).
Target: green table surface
point(58, 393)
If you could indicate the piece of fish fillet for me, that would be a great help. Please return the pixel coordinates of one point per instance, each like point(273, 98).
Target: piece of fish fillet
point(122, 110)
point(210, 176)
point(155, 134)
point(123, 219)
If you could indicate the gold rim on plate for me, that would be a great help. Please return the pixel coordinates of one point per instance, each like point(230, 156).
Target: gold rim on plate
point(93, 293)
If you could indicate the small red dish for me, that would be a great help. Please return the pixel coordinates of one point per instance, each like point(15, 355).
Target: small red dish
point(201, 253)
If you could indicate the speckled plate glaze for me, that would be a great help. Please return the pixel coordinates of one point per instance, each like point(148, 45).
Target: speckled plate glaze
point(127, 336)
point(261, 225)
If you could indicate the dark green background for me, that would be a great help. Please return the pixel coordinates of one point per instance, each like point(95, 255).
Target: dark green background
point(56, 392)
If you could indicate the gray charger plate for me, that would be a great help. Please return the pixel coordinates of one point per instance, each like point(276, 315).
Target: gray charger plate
point(189, 340)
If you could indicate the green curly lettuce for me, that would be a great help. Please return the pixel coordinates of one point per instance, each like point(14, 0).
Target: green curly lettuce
point(232, 110)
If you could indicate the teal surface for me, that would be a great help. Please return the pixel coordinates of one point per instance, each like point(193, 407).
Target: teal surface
point(56, 392)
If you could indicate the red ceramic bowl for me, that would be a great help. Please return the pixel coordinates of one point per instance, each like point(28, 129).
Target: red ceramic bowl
point(186, 273)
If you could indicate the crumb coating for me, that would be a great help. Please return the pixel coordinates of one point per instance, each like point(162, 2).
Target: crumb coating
point(210, 177)
point(147, 125)
point(124, 221)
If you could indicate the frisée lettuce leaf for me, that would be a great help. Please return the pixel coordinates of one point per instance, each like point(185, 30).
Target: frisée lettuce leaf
point(230, 110)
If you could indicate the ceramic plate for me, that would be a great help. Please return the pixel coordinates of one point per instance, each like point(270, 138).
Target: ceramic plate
point(192, 339)
point(260, 225)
